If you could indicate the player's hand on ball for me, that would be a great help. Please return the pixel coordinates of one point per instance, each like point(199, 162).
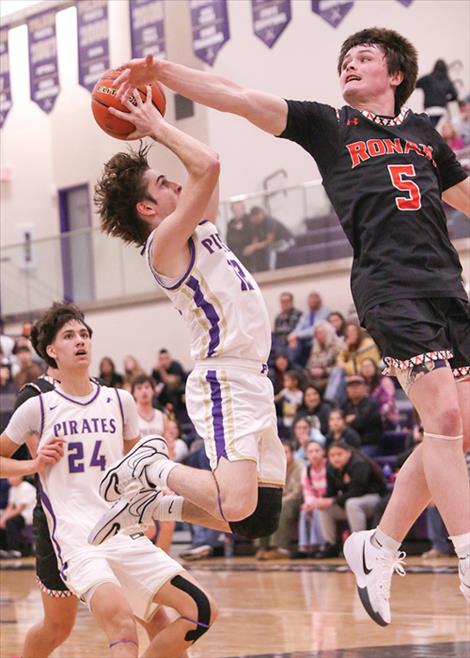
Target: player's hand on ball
point(137, 72)
point(49, 454)
point(144, 116)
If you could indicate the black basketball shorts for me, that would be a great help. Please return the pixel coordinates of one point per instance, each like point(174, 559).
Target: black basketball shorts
point(412, 331)
point(47, 570)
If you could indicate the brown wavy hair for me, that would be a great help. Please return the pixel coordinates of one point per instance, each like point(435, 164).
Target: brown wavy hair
point(400, 54)
point(117, 192)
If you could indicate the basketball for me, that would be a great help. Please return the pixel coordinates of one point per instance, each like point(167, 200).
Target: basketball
point(104, 96)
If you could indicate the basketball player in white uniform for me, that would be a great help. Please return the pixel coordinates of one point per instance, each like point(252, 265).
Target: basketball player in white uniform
point(228, 395)
point(92, 425)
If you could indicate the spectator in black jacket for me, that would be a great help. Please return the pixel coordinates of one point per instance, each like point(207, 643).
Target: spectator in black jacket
point(339, 431)
point(438, 91)
point(314, 409)
point(362, 413)
point(286, 321)
point(355, 485)
point(239, 230)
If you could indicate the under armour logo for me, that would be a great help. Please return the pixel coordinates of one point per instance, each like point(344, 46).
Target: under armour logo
point(354, 122)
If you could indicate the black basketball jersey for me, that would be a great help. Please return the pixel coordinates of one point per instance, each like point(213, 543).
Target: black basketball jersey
point(384, 177)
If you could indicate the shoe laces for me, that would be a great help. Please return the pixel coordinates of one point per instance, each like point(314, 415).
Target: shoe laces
point(390, 564)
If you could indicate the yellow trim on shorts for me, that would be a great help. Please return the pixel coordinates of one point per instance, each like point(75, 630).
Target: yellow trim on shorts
point(228, 416)
point(148, 618)
point(277, 483)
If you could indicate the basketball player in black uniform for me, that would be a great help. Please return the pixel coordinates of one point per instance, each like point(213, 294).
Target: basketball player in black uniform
point(386, 172)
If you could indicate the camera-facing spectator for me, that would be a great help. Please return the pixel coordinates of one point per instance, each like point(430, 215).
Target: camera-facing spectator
point(381, 389)
point(338, 321)
point(169, 376)
point(314, 410)
point(363, 415)
point(339, 431)
point(302, 434)
point(108, 375)
point(177, 447)
point(281, 365)
point(151, 420)
point(301, 339)
point(451, 136)
point(313, 487)
point(325, 349)
point(354, 487)
point(238, 230)
point(132, 369)
point(438, 91)
point(268, 235)
point(289, 398)
point(29, 370)
point(358, 346)
point(286, 321)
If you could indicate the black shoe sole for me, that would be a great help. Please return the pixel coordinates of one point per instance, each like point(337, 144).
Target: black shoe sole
point(368, 608)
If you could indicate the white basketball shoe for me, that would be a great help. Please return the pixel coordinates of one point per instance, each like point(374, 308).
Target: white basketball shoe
point(131, 468)
point(464, 575)
point(129, 515)
point(373, 568)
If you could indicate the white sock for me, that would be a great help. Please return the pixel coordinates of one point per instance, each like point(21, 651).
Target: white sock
point(158, 472)
point(380, 540)
point(169, 508)
point(461, 544)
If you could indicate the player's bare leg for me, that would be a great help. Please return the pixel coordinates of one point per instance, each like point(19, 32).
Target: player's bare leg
point(197, 613)
point(114, 616)
point(59, 619)
point(156, 624)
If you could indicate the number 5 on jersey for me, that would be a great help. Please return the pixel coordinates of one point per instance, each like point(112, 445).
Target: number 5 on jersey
point(413, 199)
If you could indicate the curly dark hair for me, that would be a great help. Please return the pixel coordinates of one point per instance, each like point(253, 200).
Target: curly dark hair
point(117, 192)
point(400, 54)
point(46, 328)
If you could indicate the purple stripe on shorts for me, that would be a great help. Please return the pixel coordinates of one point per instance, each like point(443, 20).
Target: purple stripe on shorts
point(47, 504)
point(210, 313)
point(217, 414)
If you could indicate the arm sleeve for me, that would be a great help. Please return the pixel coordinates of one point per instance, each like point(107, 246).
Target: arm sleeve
point(27, 419)
point(450, 170)
point(131, 419)
point(315, 127)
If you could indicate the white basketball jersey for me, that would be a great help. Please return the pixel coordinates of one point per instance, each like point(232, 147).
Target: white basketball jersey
point(93, 431)
point(218, 299)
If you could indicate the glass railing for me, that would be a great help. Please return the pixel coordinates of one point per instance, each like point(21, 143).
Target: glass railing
point(86, 266)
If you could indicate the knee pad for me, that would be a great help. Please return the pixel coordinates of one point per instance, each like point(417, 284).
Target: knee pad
point(203, 607)
point(265, 519)
point(408, 376)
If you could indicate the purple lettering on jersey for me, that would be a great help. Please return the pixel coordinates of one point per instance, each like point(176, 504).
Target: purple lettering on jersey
point(112, 425)
point(97, 459)
point(75, 457)
point(242, 275)
point(219, 242)
point(207, 242)
point(95, 422)
point(85, 426)
point(104, 425)
point(73, 427)
point(56, 429)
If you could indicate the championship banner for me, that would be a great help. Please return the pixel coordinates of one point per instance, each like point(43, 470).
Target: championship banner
point(270, 18)
point(209, 21)
point(93, 41)
point(5, 87)
point(147, 28)
point(332, 11)
point(43, 67)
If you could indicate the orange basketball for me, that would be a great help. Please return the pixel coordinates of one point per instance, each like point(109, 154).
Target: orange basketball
point(104, 96)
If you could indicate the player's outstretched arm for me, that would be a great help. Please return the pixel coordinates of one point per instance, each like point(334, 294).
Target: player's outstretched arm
point(48, 455)
point(458, 196)
point(265, 111)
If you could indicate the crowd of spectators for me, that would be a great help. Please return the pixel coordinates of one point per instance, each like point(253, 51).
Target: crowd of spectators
point(337, 418)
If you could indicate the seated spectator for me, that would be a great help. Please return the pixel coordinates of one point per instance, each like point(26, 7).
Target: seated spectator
point(363, 415)
point(17, 515)
point(177, 447)
point(315, 410)
point(358, 346)
point(238, 230)
point(7, 343)
point(338, 321)
point(313, 488)
point(302, 434)
point(462, 124)
point(108, 375)
point(451, 136)
point(278, 544)
point(282, 364)
point(301, 339)
point(8, 391)
point(268, 235)
point(29, 371)
point(354, 487)
point(382, 390)
point(339, 431)
point(289, 398)
point(169, 376)
point(326, 347)
point(286, 321)
point(132, 369)
point(151, 420)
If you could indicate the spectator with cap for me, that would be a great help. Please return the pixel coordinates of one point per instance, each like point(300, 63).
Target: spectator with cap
point(285, 321)
point(362, 413)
